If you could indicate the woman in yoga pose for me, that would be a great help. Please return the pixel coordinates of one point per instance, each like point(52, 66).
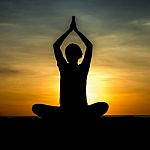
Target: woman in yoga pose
point(73, 78)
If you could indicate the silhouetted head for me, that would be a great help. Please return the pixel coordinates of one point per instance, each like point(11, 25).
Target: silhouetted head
point(73, 53)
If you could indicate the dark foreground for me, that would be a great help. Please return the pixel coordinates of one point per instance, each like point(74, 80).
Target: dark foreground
point(107, 130)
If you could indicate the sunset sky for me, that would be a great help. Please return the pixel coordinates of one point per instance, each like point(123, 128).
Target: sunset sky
point(120, 68)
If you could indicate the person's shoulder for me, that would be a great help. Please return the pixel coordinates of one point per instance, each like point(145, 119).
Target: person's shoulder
point(82, 65)
point(62, 64)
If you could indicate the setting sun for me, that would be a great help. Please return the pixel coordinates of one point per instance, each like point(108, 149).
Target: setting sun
point(96, 87)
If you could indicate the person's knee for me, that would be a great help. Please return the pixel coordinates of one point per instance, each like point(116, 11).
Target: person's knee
point(105, 105)
point(35, 108)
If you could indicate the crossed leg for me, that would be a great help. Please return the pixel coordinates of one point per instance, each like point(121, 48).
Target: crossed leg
point(98, 109)
point(45, 111)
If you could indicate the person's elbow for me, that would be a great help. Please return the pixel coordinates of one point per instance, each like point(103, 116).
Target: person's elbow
point(90, 45)
point(55, 46)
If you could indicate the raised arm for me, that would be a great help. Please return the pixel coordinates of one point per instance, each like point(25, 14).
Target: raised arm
point(89, 47)
point(84, 39)
point(57, 51)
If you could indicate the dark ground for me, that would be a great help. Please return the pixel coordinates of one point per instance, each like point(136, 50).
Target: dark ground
point(106, 131)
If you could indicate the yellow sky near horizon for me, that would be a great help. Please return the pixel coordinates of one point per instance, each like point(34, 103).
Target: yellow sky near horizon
point(109, 85)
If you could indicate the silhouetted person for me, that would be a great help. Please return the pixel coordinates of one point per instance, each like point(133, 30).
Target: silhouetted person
point(73, 78)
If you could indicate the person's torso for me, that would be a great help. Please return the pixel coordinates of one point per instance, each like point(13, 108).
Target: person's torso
point(73, 87)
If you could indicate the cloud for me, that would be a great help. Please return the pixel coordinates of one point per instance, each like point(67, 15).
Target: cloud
point(141, 22)
point(9, 25)
point(9, 71)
